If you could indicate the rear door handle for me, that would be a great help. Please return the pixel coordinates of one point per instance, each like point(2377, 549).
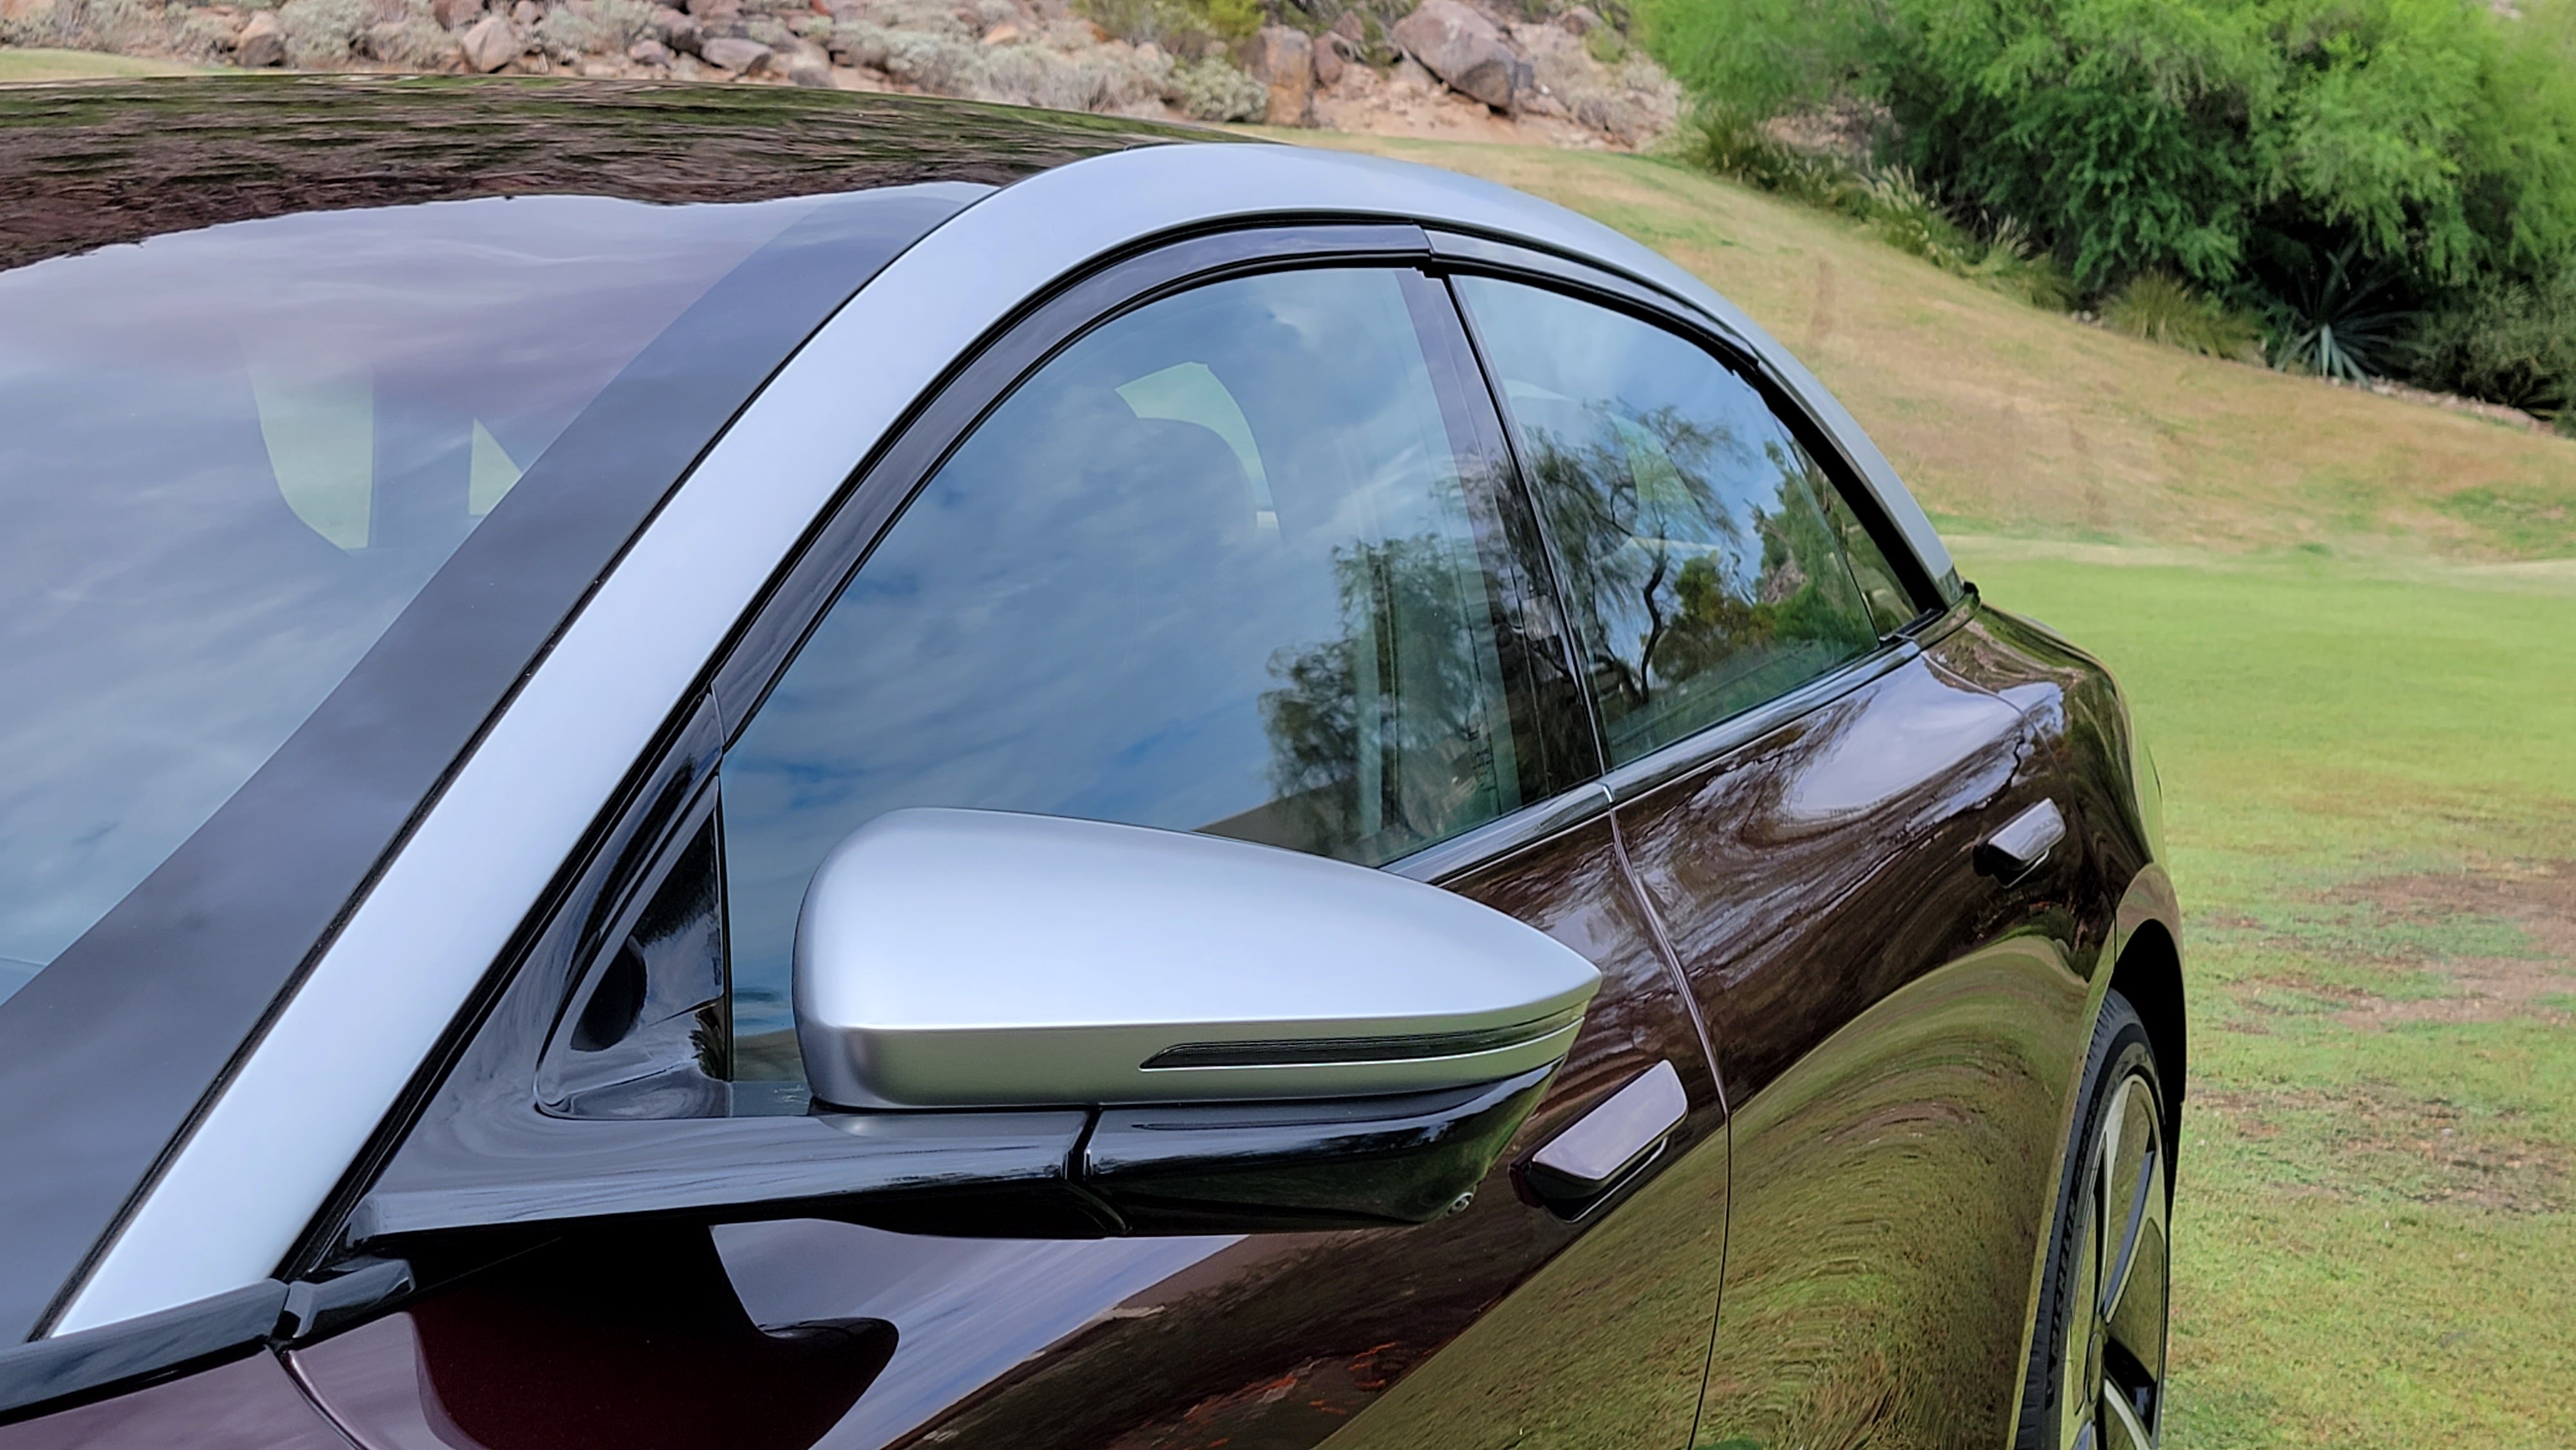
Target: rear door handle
point(1610, 1142)
point(2016, 850)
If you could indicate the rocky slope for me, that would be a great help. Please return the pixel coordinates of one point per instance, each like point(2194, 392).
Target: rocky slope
point(1540, 70)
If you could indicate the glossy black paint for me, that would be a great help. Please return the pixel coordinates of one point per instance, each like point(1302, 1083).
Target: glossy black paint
point(244, 1403)
point(1275, 1340)
point(612, 1339)
point(33, 1376)
point(1902, 1063)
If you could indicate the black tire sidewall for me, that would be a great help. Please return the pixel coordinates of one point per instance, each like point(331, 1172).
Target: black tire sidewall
point(2120, 1047)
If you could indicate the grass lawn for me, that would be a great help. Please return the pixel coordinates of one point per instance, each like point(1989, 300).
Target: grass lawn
point(81, 65)
point(2348, 626)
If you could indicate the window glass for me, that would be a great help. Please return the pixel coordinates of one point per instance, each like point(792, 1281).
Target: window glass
point(1223, 565)
point(218, 492)
point(1891, 604)
point(1689, 525)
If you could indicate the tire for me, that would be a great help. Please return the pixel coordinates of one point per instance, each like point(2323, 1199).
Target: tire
point(2097, 1349)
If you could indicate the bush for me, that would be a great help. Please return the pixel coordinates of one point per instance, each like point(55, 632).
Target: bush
point(1191, 29)
point(2236, 146)
point(110, 25)
point(2333, 317)
point(1891, 201)
point(2514, 342)
point(1213, 90)
point(2158, 308)
point(323, 33)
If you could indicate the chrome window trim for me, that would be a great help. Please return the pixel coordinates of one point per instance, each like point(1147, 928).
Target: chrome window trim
point(234, 1197)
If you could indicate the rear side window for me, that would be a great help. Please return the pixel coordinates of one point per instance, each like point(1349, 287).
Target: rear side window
point(1690, 528)
point(1232, 562)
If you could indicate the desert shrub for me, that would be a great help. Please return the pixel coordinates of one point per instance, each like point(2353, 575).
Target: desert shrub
point(607, 27)
point(112, 25)
point(198, 36)
point(1193, 29)
point(1906, 216)
point(2158, 308)
point(1891, 201)
point(2513, 341)
point(2337, 316)
point(1212, 89)
point(1733, 143)
point(323, 33)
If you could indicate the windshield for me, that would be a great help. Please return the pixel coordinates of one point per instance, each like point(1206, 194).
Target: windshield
point(229, 458)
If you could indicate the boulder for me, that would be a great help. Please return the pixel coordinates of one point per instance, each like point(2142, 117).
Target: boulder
point(1284, 60)
point(527, 13)
point(716, 17)
point(733, 53)
point(649, 52)
point(1329, 59)
point(808, 69)
point(261, 43)
point(677, 29)
point(489, 44)
point(455, 14)
point(1580, 20)
point(1461, 47)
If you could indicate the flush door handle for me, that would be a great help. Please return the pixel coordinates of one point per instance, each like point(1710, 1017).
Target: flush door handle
point(2016, 850)
point(1610, 1142)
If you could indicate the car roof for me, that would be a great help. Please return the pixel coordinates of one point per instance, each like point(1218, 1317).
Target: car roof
point(89, 163)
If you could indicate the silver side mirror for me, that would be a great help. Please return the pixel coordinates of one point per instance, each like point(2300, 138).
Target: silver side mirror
point(978, 959)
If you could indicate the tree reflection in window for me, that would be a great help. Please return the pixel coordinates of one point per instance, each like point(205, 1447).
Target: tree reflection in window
point(1391, 736)
point(1691, 528)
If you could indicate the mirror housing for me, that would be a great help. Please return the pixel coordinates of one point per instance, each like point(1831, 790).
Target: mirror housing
point(980, 959)
point(1025, 1027)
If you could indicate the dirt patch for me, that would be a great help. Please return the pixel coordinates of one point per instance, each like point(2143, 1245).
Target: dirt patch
point(2538, 978)
point(2373, 1138)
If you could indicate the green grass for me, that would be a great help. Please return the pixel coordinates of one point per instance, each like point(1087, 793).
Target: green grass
point(2347, 625)
point(2374, 1244)
point(81, 65)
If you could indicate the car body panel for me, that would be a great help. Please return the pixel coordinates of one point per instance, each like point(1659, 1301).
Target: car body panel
point(1896, 1033)
point(1274, 1340)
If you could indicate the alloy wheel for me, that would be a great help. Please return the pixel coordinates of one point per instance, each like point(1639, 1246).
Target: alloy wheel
point(2111, 1374)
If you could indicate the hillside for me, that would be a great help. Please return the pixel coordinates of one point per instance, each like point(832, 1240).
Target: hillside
point(2010, 420)
point(2341, 621)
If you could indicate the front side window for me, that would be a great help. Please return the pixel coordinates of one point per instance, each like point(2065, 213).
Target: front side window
point(1232, 562)
point(1689, 525)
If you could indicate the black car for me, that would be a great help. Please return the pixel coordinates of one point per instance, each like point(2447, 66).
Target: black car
point(737, 767)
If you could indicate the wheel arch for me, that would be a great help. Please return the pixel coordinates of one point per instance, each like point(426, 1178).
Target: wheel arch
point(2147, 970)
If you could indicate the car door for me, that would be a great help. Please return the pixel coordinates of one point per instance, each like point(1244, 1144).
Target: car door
point(1803, 789)
point(1246, 559)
